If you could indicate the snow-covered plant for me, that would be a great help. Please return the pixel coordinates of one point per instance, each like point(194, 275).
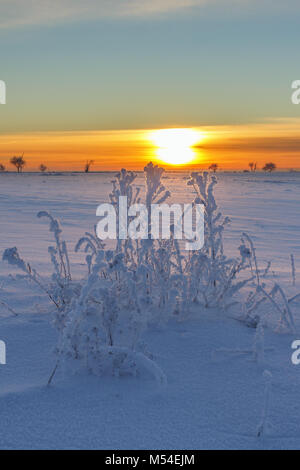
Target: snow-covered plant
point(261, 294)
point(166, 280)
point(156, 192)
point(262, 428)
point(59, 253)
point(294, 298)
point(293, 269)
point(149, 260)
point(6, 306)
point(101, 318)
point(61, 289)
point(123, 187)
point(259, 343)
point(91, 245)
point(280, 303)
point(104, 324)
point(11, 255)
point(213, 276)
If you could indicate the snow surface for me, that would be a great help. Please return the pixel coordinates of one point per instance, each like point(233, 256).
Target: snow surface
point(215, 392)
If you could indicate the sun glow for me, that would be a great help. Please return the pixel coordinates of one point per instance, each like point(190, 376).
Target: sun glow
point(175, 146)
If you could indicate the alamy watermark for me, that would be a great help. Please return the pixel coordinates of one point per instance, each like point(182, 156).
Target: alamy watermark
point(296, 94)
point(2, 352)
point(158, 221)
point(2, 92)
point(295, 358)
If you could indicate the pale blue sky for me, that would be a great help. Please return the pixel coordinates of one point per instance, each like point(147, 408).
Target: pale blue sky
point(83, 65)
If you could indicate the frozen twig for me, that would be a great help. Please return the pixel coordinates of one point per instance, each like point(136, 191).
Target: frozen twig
point(262, 427)
point(293, 270)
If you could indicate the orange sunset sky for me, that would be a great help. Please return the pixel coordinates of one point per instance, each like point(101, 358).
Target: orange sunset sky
point(98, 80)
point(232, 147)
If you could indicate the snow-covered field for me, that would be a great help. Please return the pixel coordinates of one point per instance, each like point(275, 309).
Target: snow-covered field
point(215, 391)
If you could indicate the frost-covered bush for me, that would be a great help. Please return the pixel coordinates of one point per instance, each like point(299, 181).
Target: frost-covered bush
point(122, 185)
point(101, 318)
point(152, 262)
point(212, 277)
point(61, 290)
point(261, 293)
point(104, 325)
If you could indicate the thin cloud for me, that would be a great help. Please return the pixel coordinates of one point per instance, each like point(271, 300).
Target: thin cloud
point(14, 13)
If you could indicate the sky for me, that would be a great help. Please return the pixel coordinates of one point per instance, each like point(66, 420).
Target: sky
point(90, 79)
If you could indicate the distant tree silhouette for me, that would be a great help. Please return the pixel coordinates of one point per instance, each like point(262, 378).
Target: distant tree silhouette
point(269, 167)
point(2, 167)
point(18, 162)
point(42, 168)
point(213, 167)
point(252, 166)
point(87, 165)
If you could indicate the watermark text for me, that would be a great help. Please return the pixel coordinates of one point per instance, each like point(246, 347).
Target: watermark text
point(2, 92)
point(158, 221)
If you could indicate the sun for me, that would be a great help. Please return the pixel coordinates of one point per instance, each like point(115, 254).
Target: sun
point(175, 146)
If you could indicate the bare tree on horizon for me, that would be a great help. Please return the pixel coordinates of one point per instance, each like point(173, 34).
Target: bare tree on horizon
point(252, 166)
point(213, 167)
point(18, 162)
point(42, 168)
point(88, 165)
point(269, 167)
